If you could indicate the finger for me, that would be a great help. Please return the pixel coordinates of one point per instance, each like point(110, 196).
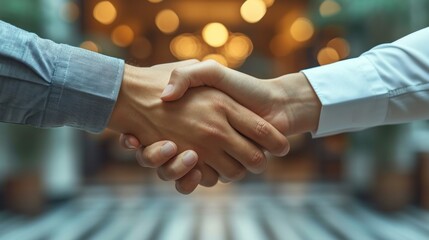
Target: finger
point(129, 141)
point(188, 183)
point(169, 66)
point(229, 169)
point(206, 73)
point(245, 152)
point(258, 130)
point(156, 154)
point(179, 166)
point(209, 175)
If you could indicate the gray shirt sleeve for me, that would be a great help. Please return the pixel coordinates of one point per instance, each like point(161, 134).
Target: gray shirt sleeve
point(45, 84)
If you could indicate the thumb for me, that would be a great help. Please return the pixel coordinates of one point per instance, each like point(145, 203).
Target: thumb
point(206, 73)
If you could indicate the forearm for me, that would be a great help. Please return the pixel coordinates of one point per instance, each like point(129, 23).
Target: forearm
point(45, 84)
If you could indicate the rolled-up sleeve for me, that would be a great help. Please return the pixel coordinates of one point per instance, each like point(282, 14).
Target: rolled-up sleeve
point(388, 84)
point(45, 84)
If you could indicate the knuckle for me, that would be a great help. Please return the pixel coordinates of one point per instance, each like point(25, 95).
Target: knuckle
point(180, 75)
point(257, 159)
point(218, 103)
point(177, 73)
point(212, 63)
point(193, 61)
point(262, 128)
point(213, 130)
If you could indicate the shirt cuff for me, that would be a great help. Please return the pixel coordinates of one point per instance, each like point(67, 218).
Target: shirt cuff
point(352, 94)
point(85, 86)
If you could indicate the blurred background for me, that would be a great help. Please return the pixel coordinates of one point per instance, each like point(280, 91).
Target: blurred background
point(67, 184)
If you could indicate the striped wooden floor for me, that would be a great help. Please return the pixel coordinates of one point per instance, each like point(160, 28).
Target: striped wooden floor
point(250, 214)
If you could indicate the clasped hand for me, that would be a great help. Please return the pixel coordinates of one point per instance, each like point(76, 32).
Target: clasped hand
point(205, 134)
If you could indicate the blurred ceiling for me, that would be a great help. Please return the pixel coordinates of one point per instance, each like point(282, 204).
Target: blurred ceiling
point(148, 32)
point(143, 20)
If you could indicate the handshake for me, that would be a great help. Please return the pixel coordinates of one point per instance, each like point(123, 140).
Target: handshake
point(219, 129)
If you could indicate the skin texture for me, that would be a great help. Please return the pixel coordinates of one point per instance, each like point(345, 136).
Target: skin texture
point(287, 102)
point(225, 136)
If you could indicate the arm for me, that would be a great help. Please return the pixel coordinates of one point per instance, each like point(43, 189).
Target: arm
point(287, 102)
point(388, 84)
point(45, 84)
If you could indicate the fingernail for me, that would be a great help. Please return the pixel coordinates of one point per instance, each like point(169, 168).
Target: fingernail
point(128, 144)
point(168, 149)
point(167, 90)
point(189, 159)
point(285, 151)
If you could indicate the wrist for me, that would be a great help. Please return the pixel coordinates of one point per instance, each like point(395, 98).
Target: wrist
point(300, 103)
point(136, 97)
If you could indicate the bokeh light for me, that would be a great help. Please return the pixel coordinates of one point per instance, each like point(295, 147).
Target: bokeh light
point(154, 1)
point(327, 55)
point(341, 46)
point(90, 45)
point(104, 12)
point(185, 46)
point(217, 57)
point(167, 21)
point(238, 47)
point(329, 8)
point(141, 48)
point(215, 34)
point(269, 3)
point(123, 35)
point(253, 11)
point(302, 29)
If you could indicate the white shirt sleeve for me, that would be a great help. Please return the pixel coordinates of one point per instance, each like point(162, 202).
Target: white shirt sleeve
point(388, 84)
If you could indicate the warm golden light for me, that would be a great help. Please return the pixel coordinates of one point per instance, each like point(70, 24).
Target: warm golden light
point(215, 34)
point(185, 46)
point(302, 29)
point(238, 47)
point(123, 36)
point(282, 44)
point(154, 1)
point(341, 46)
point(167, 21)
point(253, 11)
point(90, 45)
point(329, 8)
point(327, 55)
point(218, 58)
point(141, 48)
point(269, 3)
point(105, 12)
